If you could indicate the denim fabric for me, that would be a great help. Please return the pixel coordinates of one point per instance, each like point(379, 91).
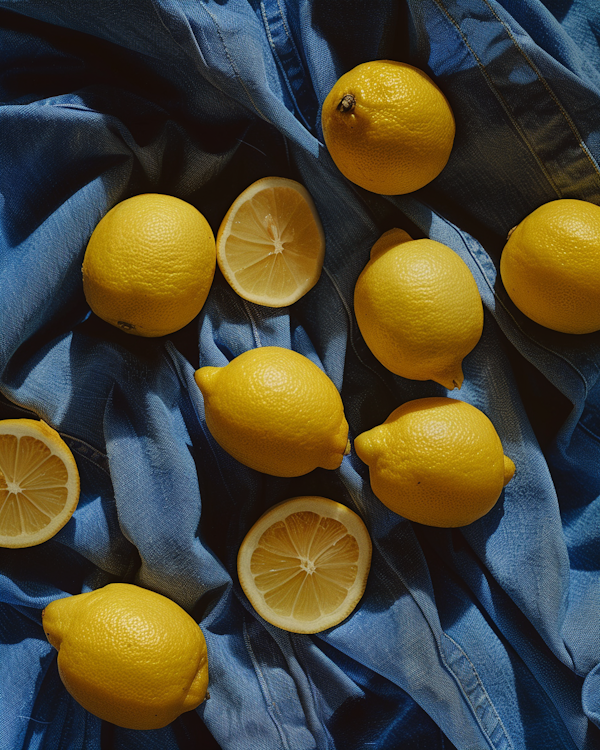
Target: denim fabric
point(482, 637)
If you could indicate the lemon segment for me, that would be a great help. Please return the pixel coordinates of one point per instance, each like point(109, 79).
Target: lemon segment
point(549, 266)
point(271, 244)
point(149, 265)
point(418, 308)
point(128, 655)
point(39, 482)
point(304, 564)
point(275, 411)
point(437, 461)
point(388, 127)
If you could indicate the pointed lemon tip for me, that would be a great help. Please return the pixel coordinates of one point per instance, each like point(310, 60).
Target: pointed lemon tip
point(451, 381)
point(363, 447)
point(389, 239)
point(509, 470)
point(205, 377)
point(198, 691)
point(55, 620)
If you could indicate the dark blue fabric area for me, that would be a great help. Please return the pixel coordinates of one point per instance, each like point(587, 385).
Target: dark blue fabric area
point(469, 639)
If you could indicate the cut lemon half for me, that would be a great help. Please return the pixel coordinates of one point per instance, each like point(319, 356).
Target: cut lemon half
point(39, 482)
point(271, 245)
point(304, 564)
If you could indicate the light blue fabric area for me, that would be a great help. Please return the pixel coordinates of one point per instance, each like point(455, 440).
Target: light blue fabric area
point(475, 638)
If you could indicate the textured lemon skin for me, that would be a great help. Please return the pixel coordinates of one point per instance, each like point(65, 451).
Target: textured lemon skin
point(40, 430)
point(128, 655)
point(418, 308)
point(437, 461)
point(275, 411)
point(149, 265)
point(550, 269)
point(398, 135)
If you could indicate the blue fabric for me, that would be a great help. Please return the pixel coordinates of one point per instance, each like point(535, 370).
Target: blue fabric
point(482, 637)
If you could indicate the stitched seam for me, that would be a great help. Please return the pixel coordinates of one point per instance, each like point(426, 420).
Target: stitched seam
point(230, 59)
point(544, 82)
point(280, 65)
point(507, 311)
point(499, 96)
point(589, 432)
point(270, 703)
point(253, 323)
point(482, 688)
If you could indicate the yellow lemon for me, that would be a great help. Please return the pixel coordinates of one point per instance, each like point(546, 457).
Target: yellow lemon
point(550, 269)
point(271, 245)
point(149, 265)
point(128, 655)
point(418, 308)
point(436, 461)
point(388, 127)
point(275, 411)
point(304, 564)
point(39, 482)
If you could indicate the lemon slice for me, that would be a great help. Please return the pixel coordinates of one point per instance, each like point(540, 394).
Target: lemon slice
point(271, 245)
point(304, 564)
point(39, 482)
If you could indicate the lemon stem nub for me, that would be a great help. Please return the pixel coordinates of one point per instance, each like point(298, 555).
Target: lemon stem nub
point(348, 448)
point(347, 103)
point(509, 470)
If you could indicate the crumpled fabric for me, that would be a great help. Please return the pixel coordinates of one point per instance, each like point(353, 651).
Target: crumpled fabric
point(486, 636)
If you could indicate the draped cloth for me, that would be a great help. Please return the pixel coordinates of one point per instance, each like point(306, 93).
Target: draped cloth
point(486, 636)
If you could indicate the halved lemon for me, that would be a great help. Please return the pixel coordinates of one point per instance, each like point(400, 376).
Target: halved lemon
point(39, 482)
point(271, 244)
point(304, 564)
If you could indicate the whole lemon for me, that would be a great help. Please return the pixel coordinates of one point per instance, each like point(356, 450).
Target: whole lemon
point(550, 268)
point(418, 308)
point(128, 655)
point(388, 127)
point(149, 264)
point(437, 461)
point(275, 411)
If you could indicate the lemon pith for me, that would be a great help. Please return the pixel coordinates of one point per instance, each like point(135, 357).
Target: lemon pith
point(304, 563)
point(271, 244)
point(39, 482)
point(275, 411)
point(128, 655)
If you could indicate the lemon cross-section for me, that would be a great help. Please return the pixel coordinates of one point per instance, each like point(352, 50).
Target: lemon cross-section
point(271, 244)
point(39, 482)
point(304, 564)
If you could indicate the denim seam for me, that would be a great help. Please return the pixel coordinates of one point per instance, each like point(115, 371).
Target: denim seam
point(483, 697)
point(499, 96)
point(271, 704)
point(437, 639)
point(507, 311)
point(297, 644)
point(280, 65)
point(253, 323)
point(546, 85)
point(592, 434)
point(232, 64)
point(97, 458)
